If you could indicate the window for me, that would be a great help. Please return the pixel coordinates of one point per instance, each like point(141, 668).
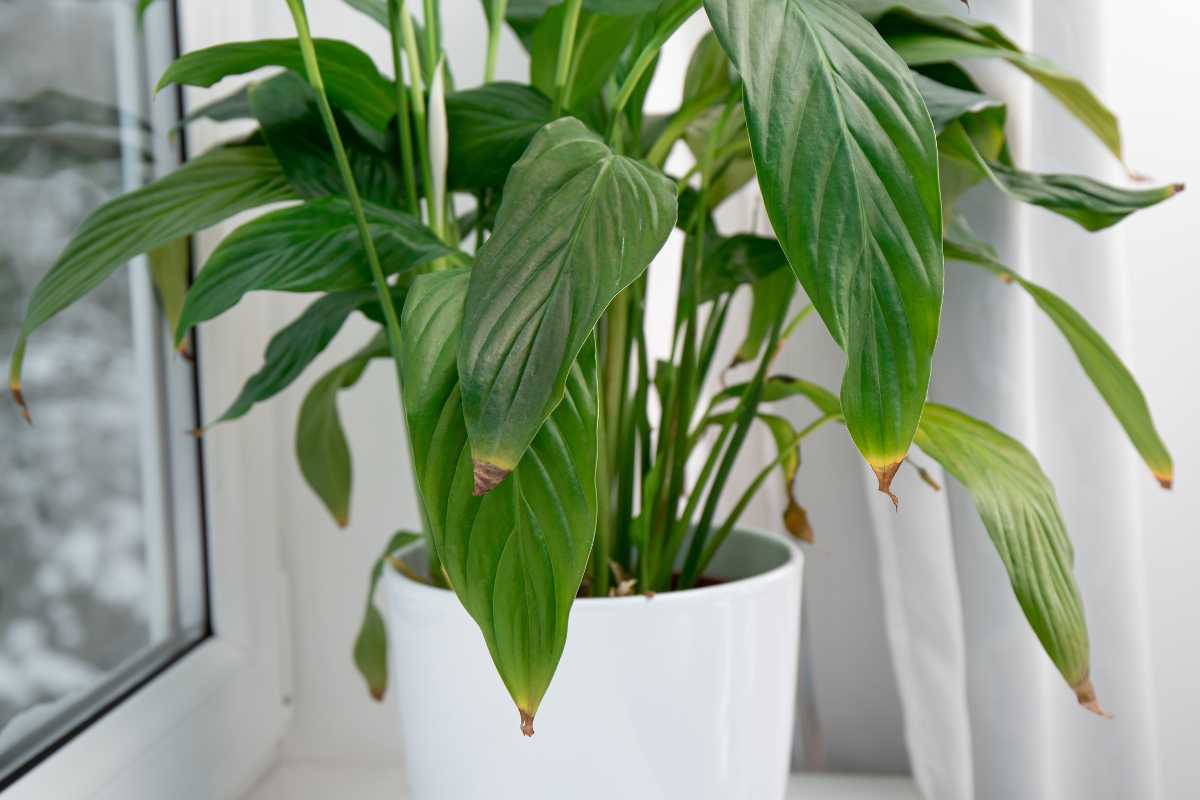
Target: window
point(102, 558)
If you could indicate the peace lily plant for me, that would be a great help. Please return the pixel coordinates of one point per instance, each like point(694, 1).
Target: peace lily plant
point(549, 451)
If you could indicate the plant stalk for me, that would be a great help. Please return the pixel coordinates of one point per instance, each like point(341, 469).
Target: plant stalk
point(566, 51)
point(404, 121)
point(499, 8)
point(417, 93)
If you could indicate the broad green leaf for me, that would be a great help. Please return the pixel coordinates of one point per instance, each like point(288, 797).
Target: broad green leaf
point(1103, 366)
point(490, 127)
point(1018, 507)
point(515, 557)
point(370, 646)
point(292, 349)
point(931, 38)
point(1090, 203)
point(577, 225)
point(313, 247)
point(352, 80)
point(287, 111)
point(599, 43)
point(200, 194)
point(772, 297)
point(321, 448)
point(847, 162)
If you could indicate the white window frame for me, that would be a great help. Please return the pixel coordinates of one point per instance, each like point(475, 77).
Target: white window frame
point(207, 726)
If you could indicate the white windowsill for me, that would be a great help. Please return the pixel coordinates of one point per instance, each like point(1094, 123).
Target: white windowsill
point(307, 781)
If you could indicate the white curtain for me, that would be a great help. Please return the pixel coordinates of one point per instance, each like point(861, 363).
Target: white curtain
point(957, 688)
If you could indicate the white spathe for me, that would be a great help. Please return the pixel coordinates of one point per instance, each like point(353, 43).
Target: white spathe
point(682, 695)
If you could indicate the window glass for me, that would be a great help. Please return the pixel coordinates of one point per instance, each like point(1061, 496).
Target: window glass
point(101, 553)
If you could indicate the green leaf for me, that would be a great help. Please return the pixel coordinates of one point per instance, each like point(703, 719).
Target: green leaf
point(352, 80)
point(1090, 203)
point(171, 272)
point(490, 127)
point(787, 442)
point(1018, 507)
point(599, 43)
point(287, 111)
point(292, 349)
point(142, 7)
point(772, 297)
point(370, 646)
point(321, 448)
point(375, 9)
point(1103, 366)
point(783, 387)
point(854, 200)
point(931, 38)
point(948, 104)
point(314, 247)
point(517, 556)
point(736, 260)
point(576, 226)
point(200, 194)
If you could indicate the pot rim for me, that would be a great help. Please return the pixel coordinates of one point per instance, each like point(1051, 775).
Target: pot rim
point(791, 564)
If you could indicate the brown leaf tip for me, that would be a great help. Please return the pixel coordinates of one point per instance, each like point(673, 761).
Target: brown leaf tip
point(185, 352)
point(19, 399)
point(488, 477)
point(1178, 188)
point(1165, 481)
point(795, 519)
point(527, 724)
point(886, 475)
point(1085, 693)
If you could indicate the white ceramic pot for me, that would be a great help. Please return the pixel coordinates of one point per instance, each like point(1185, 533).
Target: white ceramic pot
point(683, 696)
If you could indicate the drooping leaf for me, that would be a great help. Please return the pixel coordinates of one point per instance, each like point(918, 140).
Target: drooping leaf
point(290, 119)
point(370, 646)
point(926, 36)
point(517, 556)
point(200, 194)
point(490, 127)
point(171, 272)
point(795, 518)
point(1018, 507)
point(321, 448)
point(292, 349)
point(313, 247)
point(1092, 204)
point(848, 167)
point(772, 296)
point(577, 225)
point(352, 80)
point(1103, 366)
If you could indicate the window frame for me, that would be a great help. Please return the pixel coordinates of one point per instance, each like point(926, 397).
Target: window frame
point(206, 723)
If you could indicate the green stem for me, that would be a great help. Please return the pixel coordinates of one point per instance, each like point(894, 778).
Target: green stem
point(748, 496)
point(499, 9)
point(407, 165)
point(566, 48)
point(309, 53)
point(602, 546)
point(687, 114)
point(417, 91)
point(645, 59)
point(433, 36)
point(748, 409)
